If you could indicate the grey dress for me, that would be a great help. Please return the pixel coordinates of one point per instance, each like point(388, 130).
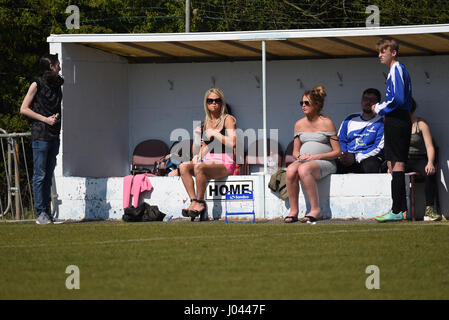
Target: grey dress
point(316, 143)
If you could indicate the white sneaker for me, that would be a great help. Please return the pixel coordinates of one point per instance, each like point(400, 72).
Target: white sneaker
point(43, 219)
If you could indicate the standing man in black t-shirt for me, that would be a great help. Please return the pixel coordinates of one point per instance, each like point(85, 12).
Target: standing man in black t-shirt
point(42, 104)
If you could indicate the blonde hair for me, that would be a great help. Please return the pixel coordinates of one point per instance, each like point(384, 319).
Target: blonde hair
point(224, 109)
point(317, 96)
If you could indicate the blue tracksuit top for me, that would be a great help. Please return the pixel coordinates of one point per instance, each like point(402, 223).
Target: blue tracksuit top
point(363, 138)
point(399, 91)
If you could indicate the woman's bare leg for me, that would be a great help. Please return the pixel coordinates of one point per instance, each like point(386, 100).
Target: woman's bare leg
point(203, 172)
point(292, 183)
point(309, 172)
point(186, 170)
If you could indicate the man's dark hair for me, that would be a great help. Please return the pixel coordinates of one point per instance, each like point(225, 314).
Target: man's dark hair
point(373, 91)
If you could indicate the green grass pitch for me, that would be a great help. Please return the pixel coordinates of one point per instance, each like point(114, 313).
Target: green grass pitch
point(215, 260)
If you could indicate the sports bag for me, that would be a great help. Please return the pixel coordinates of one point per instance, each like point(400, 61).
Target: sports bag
point(143, 213)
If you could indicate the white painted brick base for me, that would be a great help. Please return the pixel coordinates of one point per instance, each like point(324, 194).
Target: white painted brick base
point(360, 196)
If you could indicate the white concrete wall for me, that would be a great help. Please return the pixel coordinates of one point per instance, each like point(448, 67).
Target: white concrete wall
point(95, 113)
point(102, 198)
point(112, 106)
point(341, 196)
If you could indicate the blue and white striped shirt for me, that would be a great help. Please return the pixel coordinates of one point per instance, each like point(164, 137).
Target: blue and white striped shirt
point(363, 138)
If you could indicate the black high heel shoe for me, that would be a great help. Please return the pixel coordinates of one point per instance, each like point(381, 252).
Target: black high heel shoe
point(185, 212)
point(202, 214)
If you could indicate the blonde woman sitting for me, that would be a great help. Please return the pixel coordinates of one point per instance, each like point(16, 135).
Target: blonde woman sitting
point(216, 157)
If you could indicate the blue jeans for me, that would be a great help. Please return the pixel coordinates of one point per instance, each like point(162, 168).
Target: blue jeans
point(44, 159)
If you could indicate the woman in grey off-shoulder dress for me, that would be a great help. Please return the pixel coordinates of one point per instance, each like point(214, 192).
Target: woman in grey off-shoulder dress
point(315, 147)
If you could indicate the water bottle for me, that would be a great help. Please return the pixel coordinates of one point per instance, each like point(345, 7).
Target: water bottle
point(271, 163)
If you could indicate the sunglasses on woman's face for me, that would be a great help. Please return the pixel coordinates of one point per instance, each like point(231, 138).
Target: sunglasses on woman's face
point(210, 101)
point(307, 103)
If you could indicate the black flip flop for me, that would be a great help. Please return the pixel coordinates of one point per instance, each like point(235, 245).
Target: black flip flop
point(311, 219)
point(293, 219)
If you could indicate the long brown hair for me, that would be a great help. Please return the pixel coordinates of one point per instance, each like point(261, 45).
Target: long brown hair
point(51, 78)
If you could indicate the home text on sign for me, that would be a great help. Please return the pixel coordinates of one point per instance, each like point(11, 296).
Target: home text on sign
point(216, 190)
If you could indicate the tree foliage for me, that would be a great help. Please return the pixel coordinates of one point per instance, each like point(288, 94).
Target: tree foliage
point(25, 25)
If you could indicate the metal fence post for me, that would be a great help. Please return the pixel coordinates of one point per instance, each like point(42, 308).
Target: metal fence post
point(16, 179)
point(11, 158)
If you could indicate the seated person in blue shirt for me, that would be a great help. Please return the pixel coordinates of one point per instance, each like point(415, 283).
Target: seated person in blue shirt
point(362, 138)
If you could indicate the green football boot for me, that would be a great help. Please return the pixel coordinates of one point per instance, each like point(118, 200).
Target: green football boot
point(390, 216)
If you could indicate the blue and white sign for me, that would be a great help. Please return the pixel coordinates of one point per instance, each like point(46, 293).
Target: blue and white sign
point(240, 205)
point(248, 196)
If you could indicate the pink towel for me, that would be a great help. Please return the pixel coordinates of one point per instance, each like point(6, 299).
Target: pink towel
point(135, 185)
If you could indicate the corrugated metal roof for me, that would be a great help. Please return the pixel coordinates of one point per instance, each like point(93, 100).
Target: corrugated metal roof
point(280, 44)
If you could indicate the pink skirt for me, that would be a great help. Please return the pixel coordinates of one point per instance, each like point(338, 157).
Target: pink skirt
point(223, 158)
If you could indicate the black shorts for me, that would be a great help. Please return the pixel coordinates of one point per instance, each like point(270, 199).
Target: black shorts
point(397, 133)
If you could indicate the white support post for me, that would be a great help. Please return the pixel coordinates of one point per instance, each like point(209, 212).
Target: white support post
point(264, 117)
point(264, 107)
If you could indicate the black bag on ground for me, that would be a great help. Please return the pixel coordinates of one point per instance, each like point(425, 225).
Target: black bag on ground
point(143, 213)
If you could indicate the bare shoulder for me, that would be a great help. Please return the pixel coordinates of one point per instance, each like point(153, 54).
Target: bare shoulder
point(298, 125)
point(32, 90)
point(422, 123)
point(423, 126)
point(328, 124)
point(33, 86)
point(230, 121)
